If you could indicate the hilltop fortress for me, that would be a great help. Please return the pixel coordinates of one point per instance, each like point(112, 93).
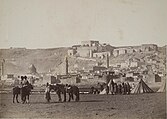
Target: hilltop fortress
point(94, 49)
point(91, 49)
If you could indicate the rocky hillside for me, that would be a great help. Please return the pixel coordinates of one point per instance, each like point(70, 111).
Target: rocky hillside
point(18, 60)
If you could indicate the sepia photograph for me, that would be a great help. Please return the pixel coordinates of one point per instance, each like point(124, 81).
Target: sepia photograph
point(83, 59)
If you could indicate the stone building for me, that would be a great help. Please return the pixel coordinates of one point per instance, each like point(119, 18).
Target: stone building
point(101, 55)
point(86, 51)
point(90, 43)
point(149, 47)
point(120, 51)
point(130, 49)
point(72, 52)
point(90, 49)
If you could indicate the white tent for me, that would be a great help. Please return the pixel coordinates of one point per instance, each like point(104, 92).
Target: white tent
point(103, 91)
point(163, 87)
point(142, 87)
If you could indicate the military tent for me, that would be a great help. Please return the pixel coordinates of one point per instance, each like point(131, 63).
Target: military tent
point(163, 87)
point(141, 87)
point(103, 91)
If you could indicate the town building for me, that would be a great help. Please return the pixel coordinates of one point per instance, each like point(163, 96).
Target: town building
point(91, 49)
point(130, 49)
point(101, 55)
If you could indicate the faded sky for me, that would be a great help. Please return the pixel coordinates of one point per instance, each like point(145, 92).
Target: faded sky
point(56, 23)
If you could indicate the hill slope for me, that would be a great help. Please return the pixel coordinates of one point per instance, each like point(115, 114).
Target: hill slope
point(18, 60)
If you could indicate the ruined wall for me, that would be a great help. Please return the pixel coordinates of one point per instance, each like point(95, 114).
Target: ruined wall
point(72, 52)
point(101, 55)
point(90, 43)
point(85, 51)
point(142, 48)
point(149, 47)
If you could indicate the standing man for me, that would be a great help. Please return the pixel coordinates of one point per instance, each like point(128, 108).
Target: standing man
point(47, 92)
point(111, 82)
point(107, 80)
point(128, 88)
point(21, 87)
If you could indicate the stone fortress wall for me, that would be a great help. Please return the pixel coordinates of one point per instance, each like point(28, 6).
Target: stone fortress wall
point(93, 49)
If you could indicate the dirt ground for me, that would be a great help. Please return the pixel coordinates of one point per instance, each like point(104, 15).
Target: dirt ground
point(143, 106)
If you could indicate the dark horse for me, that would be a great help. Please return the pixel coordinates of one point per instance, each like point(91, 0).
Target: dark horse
point(16, 92)
point(24, 91)
point(60, 88)
point(73, 90)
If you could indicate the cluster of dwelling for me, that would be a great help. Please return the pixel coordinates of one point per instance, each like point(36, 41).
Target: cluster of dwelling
point(151, 69)
point(132, 68)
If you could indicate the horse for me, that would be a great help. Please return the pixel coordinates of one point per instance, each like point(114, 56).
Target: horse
point(24, 91)
point(59, 89)
point(73, 90)
point(16, 92)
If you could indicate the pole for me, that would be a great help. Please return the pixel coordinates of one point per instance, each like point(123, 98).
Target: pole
point(2, 67)
point(108, 61)
point(66, 66)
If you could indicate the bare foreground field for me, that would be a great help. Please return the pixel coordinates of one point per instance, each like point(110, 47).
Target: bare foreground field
point(143, 106)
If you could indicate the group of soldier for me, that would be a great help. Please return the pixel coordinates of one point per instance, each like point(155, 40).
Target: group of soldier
point(114, 88)
point(111, 87)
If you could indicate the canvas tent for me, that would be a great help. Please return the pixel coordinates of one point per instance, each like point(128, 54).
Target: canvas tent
point(103, 91)
point(141, 87)
point(163, 87)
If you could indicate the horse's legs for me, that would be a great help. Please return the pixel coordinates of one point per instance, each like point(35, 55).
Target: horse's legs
point(13, 97)
point(28, 96)
point(72, 96)
point(69, 97)
point(17, 98)
point(77, 96)
point(59, 96)
point(64, 96)
point(24, 99)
